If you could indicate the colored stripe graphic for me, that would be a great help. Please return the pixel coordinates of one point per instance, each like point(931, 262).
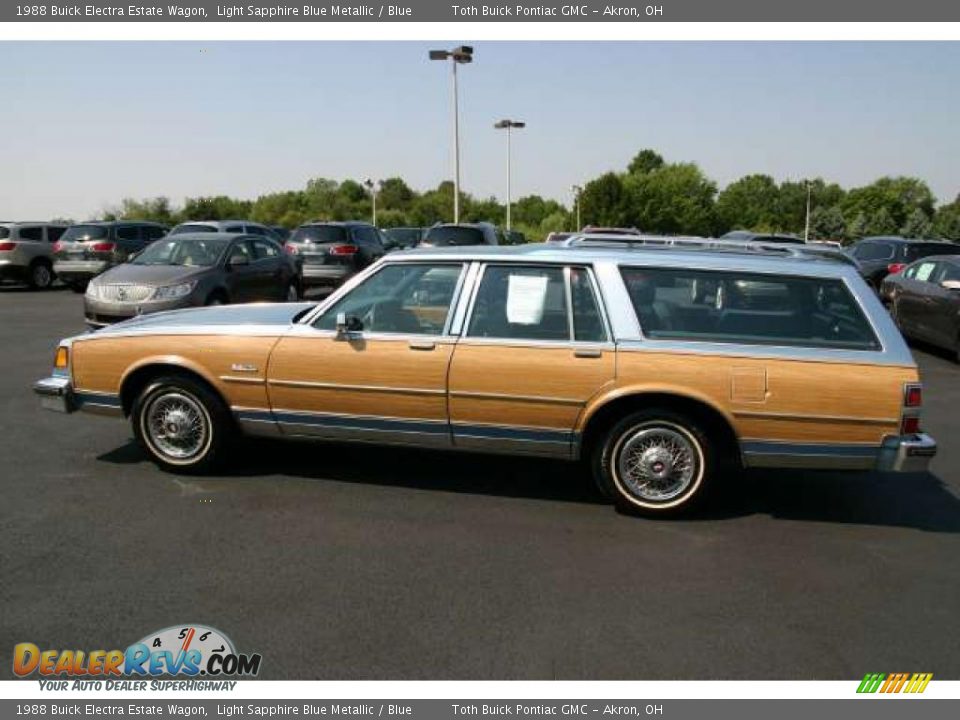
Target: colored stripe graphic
point(894, 683)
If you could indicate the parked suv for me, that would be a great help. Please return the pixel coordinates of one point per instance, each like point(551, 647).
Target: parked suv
point(227, 226)
point(86, 250)
point(882, 256)
point(462, 234)
point(26, 252)
point(334, 251)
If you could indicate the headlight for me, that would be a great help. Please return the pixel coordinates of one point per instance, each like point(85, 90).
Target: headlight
point(93, 290)
point(172, 292)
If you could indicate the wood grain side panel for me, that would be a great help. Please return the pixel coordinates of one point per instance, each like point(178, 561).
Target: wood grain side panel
point(537, 386)
point(101, 364)
point(375, 377)
point(804, 401)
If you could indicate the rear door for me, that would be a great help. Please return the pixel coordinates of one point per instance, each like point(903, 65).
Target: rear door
point(912, 305)
point(269, 268)
point(242, 280)
point(943, 307)
point(534, 350)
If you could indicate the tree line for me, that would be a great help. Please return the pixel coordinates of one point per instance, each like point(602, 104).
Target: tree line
point(650, 194)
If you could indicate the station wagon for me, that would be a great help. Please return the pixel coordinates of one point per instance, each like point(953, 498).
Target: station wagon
point(665, 369)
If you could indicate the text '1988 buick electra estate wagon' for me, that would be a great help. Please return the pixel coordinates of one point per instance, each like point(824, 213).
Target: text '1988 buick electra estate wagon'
point(663, 368)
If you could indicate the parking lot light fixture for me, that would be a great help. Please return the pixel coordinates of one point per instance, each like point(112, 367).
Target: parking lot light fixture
point(372, 187)
point(458, 56)
point(576, 203)
point(508, 125)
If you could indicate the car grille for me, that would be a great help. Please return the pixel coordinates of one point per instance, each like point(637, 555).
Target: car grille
point(125, 293)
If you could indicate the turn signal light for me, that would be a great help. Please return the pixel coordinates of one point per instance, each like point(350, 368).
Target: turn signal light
point(913, 396)
point(62, 358)
point(343, 250)
point(894, 268)
point(910, 425)
point(104, 247)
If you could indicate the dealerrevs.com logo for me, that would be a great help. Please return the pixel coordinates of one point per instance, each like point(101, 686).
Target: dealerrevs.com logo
point(894, 683)
point(190, 650)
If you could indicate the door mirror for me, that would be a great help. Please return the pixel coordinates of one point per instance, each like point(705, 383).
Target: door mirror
point(951, 285)
point(238, 260)
point(348, 327)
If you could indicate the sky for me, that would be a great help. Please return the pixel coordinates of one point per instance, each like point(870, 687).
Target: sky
point(85, 124)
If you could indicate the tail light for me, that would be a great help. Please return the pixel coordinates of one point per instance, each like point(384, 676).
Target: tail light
point(894, 268)
point(104, 247)
point(291, 249)
point(343, 250)
point(910, 425)
point(57, 246)
point(912, 401)
point(7, 246)
point(912, 396)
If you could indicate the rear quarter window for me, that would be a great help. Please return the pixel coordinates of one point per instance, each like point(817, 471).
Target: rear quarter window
point(873, 251)
point(747, 308)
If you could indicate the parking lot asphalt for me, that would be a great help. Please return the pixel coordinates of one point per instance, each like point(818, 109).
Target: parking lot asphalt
point(357, 562)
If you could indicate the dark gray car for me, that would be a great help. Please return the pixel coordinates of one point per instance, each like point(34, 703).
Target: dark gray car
point(925, 301)
point(191, 270)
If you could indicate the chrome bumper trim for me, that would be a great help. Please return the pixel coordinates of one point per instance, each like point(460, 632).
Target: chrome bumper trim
point(56, 394)
point(907, 453)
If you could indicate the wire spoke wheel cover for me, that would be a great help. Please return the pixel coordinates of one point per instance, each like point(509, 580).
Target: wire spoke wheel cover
point(658, 463)
point(176, 426)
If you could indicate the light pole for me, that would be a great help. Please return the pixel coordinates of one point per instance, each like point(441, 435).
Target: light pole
point(372, 187)
point(508, 125)
point(458, 56)
point(806, 227)
point(576, 203)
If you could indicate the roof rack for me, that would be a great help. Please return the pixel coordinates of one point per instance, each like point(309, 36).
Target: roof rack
point(699, 243)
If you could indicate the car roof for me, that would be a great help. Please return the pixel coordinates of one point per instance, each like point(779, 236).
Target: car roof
point(107, 223)
point(906, 241)
point(209, 236)
point(339, 223)
point(762, 260)
point(219, 223)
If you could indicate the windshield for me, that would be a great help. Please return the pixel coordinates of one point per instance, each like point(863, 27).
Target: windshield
point(82, 233)
point(451, 235)
point(320, 234)
point(188, 228)
point(194, 252)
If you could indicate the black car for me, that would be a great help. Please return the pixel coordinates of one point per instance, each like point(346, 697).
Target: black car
point(882, 256)
point(87, 249)
point(332, 252)
point(925, 300)
point(401, 238)
point(447, 234)
point(190, 270)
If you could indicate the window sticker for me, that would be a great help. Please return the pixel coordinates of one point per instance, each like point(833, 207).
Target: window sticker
point(924, 272)
point(526, 298)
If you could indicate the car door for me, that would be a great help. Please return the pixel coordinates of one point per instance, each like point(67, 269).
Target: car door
point(943, 306)
point(383, 380)
point(535, 349)
point(241, 273)
point(272, 282)
point(912, 303)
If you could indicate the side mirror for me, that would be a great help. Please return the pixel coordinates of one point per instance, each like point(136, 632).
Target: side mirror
point(951, 285)
point(348, 327)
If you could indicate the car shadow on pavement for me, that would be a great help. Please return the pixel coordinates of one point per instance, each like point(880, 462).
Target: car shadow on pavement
point(920, 501)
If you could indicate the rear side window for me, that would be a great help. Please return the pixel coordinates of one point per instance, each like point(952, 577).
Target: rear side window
point(33, 232)
point(128, 232)
point(522, 303)
point(152, 232)
point(181, 229)
point(747, 308)
point(873, 251)
point(915, 252)
point(234, 229)
point(366, 236)
point(320, 234)
point(256, 230)
point(4, 232)
point(264, 249)
point(54, 233)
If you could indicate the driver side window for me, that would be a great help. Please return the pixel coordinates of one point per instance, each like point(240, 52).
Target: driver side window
point(407, 298)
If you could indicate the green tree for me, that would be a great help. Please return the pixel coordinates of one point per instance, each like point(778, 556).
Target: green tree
point(750, 203)
point(827, 223)
point(601, 201)
point(283, 208)
point(898, 196)
point(219, 207)
point(155, 209)
point(918, 225)
point(946, 223)
point(858, 227)
point(882, 223)
point(792, 202)
point(644, 162)
point(671, 200)
point(395, 194)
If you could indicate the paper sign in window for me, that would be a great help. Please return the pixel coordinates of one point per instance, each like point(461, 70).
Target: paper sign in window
point(526, 297)
point(924, 272)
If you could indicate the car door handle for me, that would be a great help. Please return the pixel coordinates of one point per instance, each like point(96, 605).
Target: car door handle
point(422, 345)
point(587, 353)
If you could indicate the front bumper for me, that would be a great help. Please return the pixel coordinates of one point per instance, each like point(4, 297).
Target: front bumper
point(100, 313)
point(56, 394)
point(907, 453)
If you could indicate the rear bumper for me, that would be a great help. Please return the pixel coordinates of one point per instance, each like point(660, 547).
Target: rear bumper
point(79, 270)
point(314, 275)
point(56, 394)
point(907, 453)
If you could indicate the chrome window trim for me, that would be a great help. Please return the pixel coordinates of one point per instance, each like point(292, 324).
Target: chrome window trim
point(568, 298)
point(465, 300)
point(601, 306)
point(772, 352)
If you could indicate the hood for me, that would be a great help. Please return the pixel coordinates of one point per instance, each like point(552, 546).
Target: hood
point(257, 315)
point(155, 275)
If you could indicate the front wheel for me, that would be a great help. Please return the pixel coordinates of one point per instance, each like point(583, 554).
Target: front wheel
point(182, 424)
point(654, 462)
point(41, 276)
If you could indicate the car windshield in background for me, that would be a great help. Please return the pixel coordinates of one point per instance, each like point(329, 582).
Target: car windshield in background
point(320, 234)
point(194, 252)
point(454, 236)
point(82, 233)
point(181, 229)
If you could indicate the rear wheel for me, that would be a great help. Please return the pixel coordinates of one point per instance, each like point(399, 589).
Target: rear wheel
point(655, 462)
point(182, 424)
point(41, 275)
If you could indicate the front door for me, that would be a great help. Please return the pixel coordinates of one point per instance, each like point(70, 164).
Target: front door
point(534, 351)
point(385, 379)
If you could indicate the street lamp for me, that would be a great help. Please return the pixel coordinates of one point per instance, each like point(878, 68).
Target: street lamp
point(458, 56)
point(806, 226)
point(371, 186)
point(576, 203)
point(508, 125)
